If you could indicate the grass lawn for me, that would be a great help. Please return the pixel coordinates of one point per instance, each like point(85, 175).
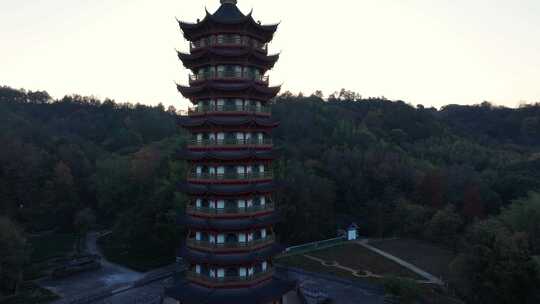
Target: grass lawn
point(31, 293)
point(431, 258)
point(133, 260)
point(299, 261)
point(349, 255)
point(51, 245)
point(357, 257)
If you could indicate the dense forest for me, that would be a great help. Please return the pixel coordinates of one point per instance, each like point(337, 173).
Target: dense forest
point(464, 177)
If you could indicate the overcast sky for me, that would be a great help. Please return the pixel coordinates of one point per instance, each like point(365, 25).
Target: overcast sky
point(430, 52)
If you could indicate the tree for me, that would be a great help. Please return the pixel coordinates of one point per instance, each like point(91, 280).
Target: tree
point(473, 207)
point(406, 291)
point(13, 255)
point(496, 266)
point(444, 227)
point(524, 216)
point(411, 218)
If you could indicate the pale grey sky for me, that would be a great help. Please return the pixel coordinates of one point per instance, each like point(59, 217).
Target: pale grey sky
point(432, 52)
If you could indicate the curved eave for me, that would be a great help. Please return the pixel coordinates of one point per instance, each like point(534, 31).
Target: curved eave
point(194, 30)
point(238, 224)
point(267, 292)
point(227, 155)
point(228, 190)
point(211, 86)
point(223, 121)
point(254, 256)
point(205, 57)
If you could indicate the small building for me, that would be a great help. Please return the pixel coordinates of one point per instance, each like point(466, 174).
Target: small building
point(352, 232)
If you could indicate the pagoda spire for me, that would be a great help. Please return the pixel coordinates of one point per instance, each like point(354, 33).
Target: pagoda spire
point(229, 2)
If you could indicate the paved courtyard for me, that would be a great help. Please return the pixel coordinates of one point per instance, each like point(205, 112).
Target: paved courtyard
point(110, 276)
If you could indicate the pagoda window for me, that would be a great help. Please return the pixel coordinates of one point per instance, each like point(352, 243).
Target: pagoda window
point(198, 269)
point(212, 204)
point(261, 168)
point(250, 237)
point(264, 266)
point(232, 238)
point(251, 270)
point(239, 136)
point(221, 171)
point(220, 103)
point(198, 203)
point(250, 203)
point(262, 201)
point(199, 170)
point(221, 238)
point(212, 238)
point(212, 136)
point(249, 169)
point(242, 238)
point(212, 273)
point(243, 272)
point(248, 137)
point(221, 136)
point(239, 103)
point(221, 273)
point(241, 204)
point(231, 272)
point(241, 170)
point(221, 204)
point(230, 204)
point(263, 233)
point(260, 137)
point(198, 236)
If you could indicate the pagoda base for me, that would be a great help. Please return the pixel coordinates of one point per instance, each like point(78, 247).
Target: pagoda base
point(269, 292)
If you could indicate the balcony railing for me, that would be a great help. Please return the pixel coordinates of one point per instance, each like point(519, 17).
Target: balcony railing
point(230, 245)
point(230, 108)
point(229, 42)
point(231, 142)
point(206, 279)
point(228, 76)
point(230, 210)
point(231, 176)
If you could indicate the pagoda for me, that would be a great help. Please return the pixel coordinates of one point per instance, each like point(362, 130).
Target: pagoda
point(230, 241)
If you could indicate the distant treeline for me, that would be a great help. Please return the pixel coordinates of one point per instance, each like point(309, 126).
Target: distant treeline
point(394, 169)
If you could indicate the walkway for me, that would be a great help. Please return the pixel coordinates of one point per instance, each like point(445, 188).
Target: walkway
point(109, 277)
point(359, 273)
point(428, 276)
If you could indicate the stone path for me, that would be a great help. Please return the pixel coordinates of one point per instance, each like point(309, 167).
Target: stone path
point(359, 273)
point(110, 276)
point(428, 276)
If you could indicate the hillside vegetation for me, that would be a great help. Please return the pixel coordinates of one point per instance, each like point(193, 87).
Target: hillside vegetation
point(458, 176)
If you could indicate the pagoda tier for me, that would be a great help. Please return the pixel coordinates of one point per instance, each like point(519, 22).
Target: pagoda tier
point(228, 190)
point(230, 244)
point(263, 293)
point(230, 224)
point(228, 122)
point(213, 89)
point(228, 56)
point(225, 156)
point(232, 259)
point(228, 19)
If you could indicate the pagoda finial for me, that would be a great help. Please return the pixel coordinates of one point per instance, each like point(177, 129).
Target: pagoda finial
point(229, 2)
